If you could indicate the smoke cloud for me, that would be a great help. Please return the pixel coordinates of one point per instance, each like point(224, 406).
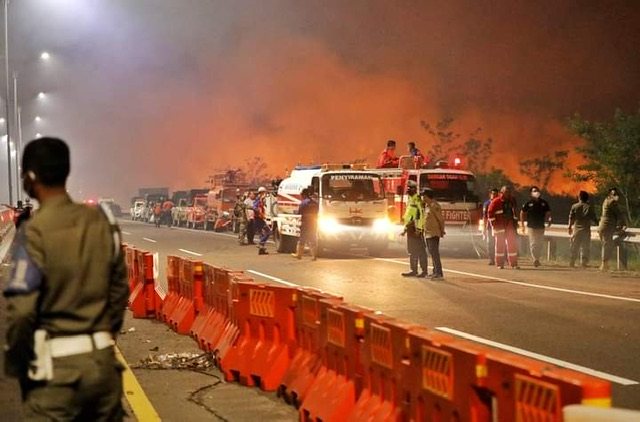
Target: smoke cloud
point(162, 92)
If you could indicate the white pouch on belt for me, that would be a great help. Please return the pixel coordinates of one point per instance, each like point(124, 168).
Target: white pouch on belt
point(41, 368)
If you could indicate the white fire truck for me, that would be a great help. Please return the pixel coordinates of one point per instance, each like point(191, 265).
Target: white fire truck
point(455, 190)
point(352, 208)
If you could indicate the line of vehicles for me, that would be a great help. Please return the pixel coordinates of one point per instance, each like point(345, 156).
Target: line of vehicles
point(358, 207)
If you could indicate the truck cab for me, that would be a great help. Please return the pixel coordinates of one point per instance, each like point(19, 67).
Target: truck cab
point(454, 187)
point(352, 208)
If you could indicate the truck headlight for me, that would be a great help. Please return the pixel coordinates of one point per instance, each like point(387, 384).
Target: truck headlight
point(328, 224)
point(382, 224)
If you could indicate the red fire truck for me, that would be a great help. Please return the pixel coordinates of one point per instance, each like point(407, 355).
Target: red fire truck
point(455, 190)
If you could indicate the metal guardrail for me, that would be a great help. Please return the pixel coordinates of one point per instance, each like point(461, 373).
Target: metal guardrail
point(632, 235)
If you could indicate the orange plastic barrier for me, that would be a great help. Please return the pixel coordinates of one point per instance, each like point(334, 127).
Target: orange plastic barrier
point(206, 314)
point(265, 315)
point(184, 312)
point(307, 359)
point(145, 300)
point(132, 267)
point(387, 371)
point(173, 284)
point(529, 390)
point(448, 378)
point(338, 383)
point(220, 327)
point(230, 327)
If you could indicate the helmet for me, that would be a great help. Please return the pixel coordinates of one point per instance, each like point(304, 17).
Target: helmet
point(412, 184)
point(262, 189)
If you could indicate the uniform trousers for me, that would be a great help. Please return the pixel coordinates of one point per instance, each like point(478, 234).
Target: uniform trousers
point(506, 240)
point(85, 387)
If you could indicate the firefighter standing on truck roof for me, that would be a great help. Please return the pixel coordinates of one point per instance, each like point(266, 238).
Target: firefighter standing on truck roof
point(413, 229)
point(387, 158)
point(502, 215)
point(261, 226)
point(418, 158)
point(66, 298)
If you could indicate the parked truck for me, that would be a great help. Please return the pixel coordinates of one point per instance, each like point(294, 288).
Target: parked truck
point(352, 208)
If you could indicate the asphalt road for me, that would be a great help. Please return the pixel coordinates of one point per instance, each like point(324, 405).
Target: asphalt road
point(580, 317)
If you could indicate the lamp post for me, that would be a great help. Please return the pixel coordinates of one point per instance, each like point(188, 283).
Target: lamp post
point(7, 95)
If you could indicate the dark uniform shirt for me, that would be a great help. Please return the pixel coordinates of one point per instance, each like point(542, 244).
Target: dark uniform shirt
point(582, 214)
point(536, 211)
point(612, 216)
point(66, 278)
point(308, 210)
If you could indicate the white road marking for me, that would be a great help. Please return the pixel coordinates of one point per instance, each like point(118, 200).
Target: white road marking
point(521, 283)
point(272, 278)
point(149, 240)
point(543, 358)
point(124, 232)
point(233, 236)
point(190, 252)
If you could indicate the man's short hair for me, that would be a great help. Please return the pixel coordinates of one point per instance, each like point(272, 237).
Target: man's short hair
point(48, 159)
point(583, 196)
point(412, 145)
point(534, 188)
point(613, 191)
point(494, 190)
point(391, 143)
point(305, 192)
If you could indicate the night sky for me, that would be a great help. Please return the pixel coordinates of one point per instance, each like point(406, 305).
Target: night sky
point(164, 92)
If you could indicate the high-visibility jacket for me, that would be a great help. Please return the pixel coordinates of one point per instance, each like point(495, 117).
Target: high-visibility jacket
point(414, 212)
point(502, 213)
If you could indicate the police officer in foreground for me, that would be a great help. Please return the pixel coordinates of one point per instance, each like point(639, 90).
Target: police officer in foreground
point(66, 297)
point(612, 221)
point(413, 229)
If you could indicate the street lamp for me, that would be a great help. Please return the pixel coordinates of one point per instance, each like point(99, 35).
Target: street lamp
point(41, 95)
point(1, 120)
point(38, 118)
point(38, 135)
point(45, 55)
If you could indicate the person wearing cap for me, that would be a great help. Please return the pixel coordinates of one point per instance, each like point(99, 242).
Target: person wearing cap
point(536, 212)
point(487, 231)
point(612, 221)
point(502, 216)
point(66, 296)
point(413, 229)
point(433, 230)
point(260, 223)
point(240, 216)
point(580, 216)
point(387, 158)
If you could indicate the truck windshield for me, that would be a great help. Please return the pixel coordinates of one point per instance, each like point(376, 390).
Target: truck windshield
point(201, 202)
point(352, 187)
point(451, 187)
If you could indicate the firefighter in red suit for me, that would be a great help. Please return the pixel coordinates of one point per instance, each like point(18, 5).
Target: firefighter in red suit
point(502, 215)
point(387, 158)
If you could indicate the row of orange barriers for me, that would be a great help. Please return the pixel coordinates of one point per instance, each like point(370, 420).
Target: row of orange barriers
point(6, 220)
point(335, 361)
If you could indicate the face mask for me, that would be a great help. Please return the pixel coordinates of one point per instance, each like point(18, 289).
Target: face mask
point(535, 195)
